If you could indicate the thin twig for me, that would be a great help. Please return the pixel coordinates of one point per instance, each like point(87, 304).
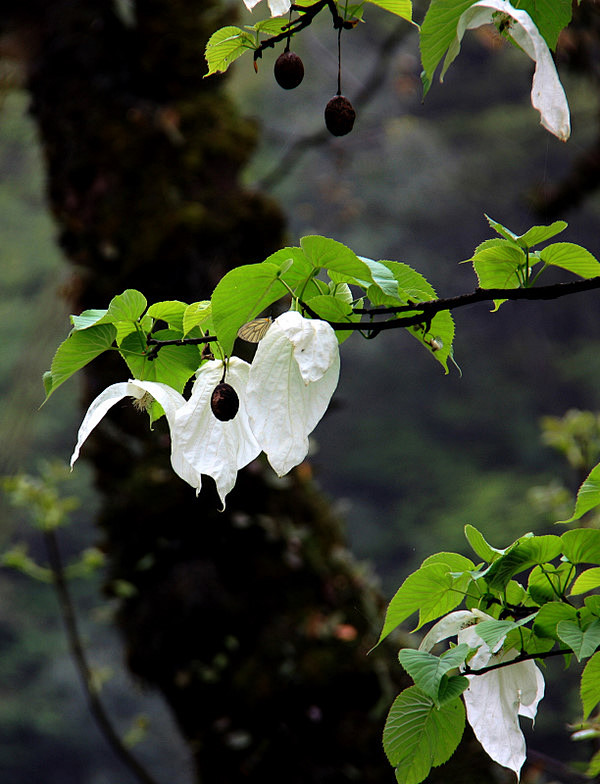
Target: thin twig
point(429, 308)
point(85, 674)
point(308, 14)
point(158, 344)
point(370, 89)
point(426, 310)
point(521, 658)
point(556, 768)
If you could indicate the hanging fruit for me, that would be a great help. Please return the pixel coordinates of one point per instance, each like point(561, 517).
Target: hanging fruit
point(288, 70)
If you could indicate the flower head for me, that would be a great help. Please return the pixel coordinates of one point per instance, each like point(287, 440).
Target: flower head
point(292, 378)
point(281, 397)
point(547, 94)
point(212, 446)
point(277, 7)
point(494, 700)
point(169, 399)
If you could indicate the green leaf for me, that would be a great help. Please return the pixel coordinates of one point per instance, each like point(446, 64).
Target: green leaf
point(455, 562)
point(87, 319)
point(515, 593)
point(524, 553)
point(549, 16)
point(492, 632)
point(76, 351)
point(342, 291)
point(538, 234)
point(438, 339)
point(550, 615)
point(571, 257)
point(549, 582)
point(590, 685)
point(525, 640)
point(417, 736)
point(480, 546)
point(170, 311)
point(411, 284)
point(382, 276)
point(271, 26)
point(413, 287)
point(241, 295)
point(587, 581)
point(333, 309)
point(438, 32)
point(401, 8)
point(225, 46)
point(196, 314)
point(582, 545)
point(328, 254)
point(325, 253)
point(294, 266)
point(451, 687)
point(496, 266)
point(593, 768)
point(432, 590)
point(428, 671)
point(582, 643)
point(127, 306)
point(501, 230)
point(592, 605)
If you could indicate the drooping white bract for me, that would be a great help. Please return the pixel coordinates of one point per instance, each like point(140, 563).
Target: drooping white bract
point(292, 378)
point(547, 94)
point(218, 449)
point(168, 398)
point(494, 700)
point(277, 7)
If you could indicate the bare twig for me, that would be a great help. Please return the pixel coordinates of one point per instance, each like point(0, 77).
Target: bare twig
point(308, 14)
point(77, 652)
point(370, 89)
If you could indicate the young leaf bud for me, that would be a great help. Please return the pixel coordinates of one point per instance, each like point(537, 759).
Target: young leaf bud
point(224, 402)
point(289, 70)
point(339, 116)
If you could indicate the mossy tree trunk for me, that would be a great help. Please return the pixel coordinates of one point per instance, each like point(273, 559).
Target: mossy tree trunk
point(253, 623)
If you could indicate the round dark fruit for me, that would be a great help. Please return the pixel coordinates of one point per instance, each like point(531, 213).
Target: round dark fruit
point(289, 70)
point(224, 402)
point(339, 116)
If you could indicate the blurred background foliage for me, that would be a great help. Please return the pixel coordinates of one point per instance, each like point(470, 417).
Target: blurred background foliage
point(408, 454)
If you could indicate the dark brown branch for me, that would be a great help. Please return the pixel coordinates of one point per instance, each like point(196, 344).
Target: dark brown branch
point(428, 309)
point(158, 344)
point(521, 658)
point(77, 652)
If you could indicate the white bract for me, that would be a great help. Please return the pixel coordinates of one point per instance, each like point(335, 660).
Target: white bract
point(277, 7)
point(218, 449)
point(494, 700)
point(282, 396)
point(547, 94)
point(168, 398)
point(292, 378)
